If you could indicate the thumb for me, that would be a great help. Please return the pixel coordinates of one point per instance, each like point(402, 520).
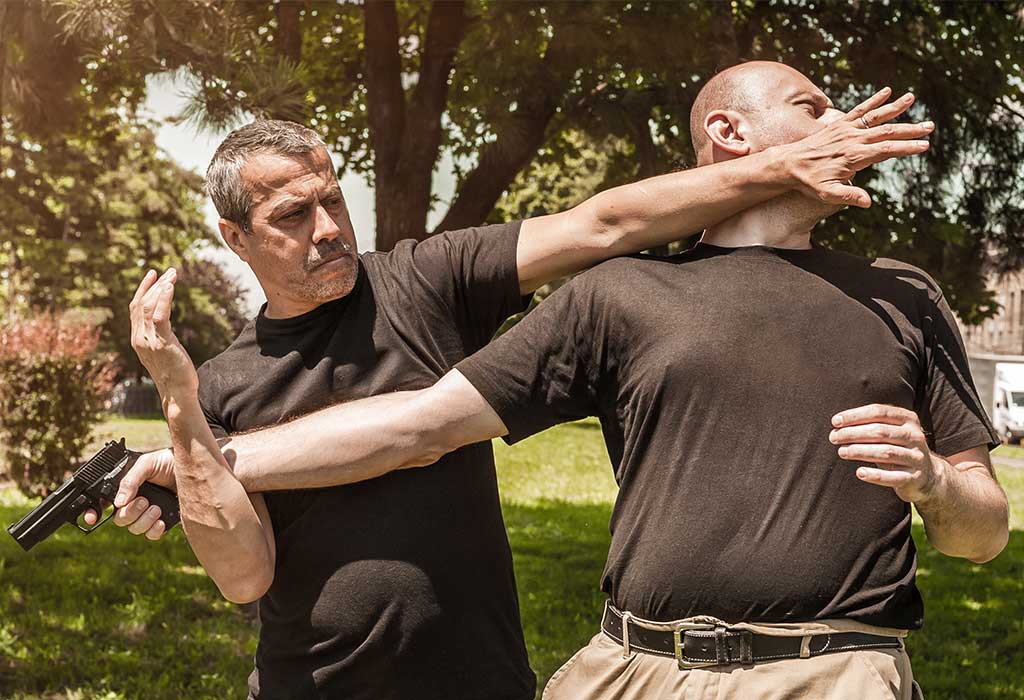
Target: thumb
point(840, 193)
point(133, 479)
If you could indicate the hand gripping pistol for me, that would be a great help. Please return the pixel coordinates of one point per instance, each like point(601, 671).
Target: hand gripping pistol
point(95, 481)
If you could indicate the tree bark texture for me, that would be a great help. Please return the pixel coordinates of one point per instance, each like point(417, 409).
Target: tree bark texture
point(406, 136)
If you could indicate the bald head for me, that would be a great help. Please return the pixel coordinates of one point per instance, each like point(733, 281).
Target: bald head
point(753, 90)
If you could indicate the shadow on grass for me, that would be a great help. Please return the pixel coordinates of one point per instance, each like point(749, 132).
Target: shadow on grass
point(109, 615)
point(971, 648)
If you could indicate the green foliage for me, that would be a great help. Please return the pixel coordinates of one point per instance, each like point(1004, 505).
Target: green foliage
point(87, 213)
point(89, 201)
point(52, 386)
point(546, 102)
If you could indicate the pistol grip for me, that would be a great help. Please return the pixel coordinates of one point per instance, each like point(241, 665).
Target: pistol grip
point(165, 499)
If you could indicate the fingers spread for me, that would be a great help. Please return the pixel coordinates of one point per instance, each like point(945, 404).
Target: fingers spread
point(869, 104)
point(892, 149)
point(898, 132)
point(874, 413)
point(889, 111)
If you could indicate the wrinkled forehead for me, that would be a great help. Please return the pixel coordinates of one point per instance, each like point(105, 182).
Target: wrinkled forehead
point(271, 175)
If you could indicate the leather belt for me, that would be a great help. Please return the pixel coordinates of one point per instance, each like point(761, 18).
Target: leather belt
point(700, 645)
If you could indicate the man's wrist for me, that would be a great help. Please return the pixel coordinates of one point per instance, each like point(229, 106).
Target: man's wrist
point(781, 165)
point(177, 401)
point(937, 485)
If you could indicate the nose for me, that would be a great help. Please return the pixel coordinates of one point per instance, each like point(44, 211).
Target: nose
point(832, 114)
point(325, 228)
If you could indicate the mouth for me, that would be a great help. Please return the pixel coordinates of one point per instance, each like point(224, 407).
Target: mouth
point(331, 261)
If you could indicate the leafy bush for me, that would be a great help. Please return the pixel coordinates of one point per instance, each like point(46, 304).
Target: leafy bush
point(53, 383)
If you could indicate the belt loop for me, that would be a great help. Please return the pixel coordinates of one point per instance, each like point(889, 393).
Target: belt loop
point(805, 647)
point(626, 617)
point(721, 646)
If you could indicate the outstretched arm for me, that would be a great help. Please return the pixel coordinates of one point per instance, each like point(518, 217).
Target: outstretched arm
point(364, 439)
point(350, 442)
point(663, 209)
point(964, 509)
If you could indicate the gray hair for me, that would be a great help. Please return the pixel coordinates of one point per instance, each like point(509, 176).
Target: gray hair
point(224, 176)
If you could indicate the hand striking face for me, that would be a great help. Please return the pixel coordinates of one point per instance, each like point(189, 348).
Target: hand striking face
point(301, 247)
point(790, 107)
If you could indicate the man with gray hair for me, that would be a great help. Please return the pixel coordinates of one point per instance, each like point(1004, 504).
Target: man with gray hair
point(399, 586)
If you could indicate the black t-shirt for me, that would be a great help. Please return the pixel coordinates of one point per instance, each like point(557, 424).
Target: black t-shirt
point(715, 374)
point(401, 586)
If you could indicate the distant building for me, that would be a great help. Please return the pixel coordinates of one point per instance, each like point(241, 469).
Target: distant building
point(1004, 333)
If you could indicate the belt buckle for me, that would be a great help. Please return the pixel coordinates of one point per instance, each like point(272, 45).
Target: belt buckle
point(679, 635)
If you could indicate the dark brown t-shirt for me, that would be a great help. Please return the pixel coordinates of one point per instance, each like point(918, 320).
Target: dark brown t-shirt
point(715, 374)
point(402, 586)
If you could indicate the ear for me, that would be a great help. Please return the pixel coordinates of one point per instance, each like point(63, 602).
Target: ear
point(235, 237)
point(728, 132)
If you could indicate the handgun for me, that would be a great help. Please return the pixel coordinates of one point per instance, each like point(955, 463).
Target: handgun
point(94, 482)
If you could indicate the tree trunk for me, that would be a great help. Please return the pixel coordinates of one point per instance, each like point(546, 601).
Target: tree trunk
point(516, 145)
point(406, 138)
point(289, 34)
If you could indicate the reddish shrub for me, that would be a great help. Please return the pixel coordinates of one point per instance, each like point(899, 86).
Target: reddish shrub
point(52, 386)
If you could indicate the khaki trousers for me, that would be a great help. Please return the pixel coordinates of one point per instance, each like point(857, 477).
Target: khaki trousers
point(599, 671)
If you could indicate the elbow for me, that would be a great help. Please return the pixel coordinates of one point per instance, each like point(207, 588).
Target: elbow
point(251, 584)
point(605, 219)
point(988, 548)
point(995, 544)
point(247, 590)
point(427, 447)
point(991, 553)
point(431, 435)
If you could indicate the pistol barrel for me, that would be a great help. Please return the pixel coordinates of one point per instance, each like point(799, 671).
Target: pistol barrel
point(45, 518)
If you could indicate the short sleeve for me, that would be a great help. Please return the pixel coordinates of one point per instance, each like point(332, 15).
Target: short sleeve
point(951, 412)
point(208, 401)
point(474, 272)
point(542, 371)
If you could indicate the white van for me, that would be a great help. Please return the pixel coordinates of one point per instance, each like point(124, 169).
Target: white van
point(1008, 407)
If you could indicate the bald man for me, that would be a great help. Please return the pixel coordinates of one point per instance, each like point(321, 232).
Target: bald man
point(771, 409)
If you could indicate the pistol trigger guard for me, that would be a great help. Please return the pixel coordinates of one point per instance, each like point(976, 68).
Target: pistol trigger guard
point(98, 507)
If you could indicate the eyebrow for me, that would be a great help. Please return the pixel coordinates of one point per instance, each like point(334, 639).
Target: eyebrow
point(286, 204)
point(290, 202)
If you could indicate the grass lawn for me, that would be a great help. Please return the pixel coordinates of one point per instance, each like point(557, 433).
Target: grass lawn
point(1012, 451)
point(109, 616)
